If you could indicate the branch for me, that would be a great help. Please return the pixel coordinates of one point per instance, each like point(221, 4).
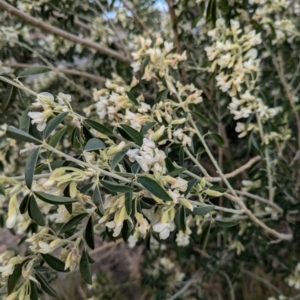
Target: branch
point(137, 18)
point(280, 70)
point(62, 70)
point(69, 36)
point(237, 171)
point(263, 200)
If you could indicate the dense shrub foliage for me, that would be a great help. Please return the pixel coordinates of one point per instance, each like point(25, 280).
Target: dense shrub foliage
point(170, 126)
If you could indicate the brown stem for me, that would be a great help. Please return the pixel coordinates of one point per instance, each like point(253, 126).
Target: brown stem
point(69, 36)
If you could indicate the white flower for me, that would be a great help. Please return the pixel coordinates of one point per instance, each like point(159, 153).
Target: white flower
point(182, 239)
point(132, 240)
point(39, 118)
point(132, 154)
point(12, 212)
point(46, 100)
point(163, 229)
point(63, 99)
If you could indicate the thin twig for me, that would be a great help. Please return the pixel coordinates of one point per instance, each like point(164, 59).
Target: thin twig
point(95, 78)
point(105, 246)
point(59, 32)
point(258, 278)
point(237, 171)
point(183, 289)
point(230, 284)
point(137, 18)
point(261, 199)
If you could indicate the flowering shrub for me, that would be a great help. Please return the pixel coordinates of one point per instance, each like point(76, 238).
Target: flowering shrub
point(173, 129)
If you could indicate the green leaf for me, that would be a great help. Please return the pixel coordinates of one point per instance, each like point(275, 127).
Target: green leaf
point(98, 199)
point(73, 222)
point(181, 156)
point(180, 219)
point(14, 278)
point(84, 268)
point(52, 124)
point(118, 157)
point(205, 235)
point(162, 95)
point(23, 98)
point(94, 144)
point(176, 172)
point(45, 285)
point(218, 188)
point(55, 200)
point(99, 127)
point(19, 135)
point(55, 139)
point(217, 138)
point(132, 98)
point(169, 165)
point(134, 134)
point(30, 166)
point(146, 127)
point(226, 224)
point(86, 188)
point(2, 190)
point(8, 98)
point(24, 122)
point(191, 183)
point(55, 263)
point(33, 71)
point(89, 233)
point(201, 117)
point(202, 210)
point(34, 293)
point(154, 188)
point(115, 187)
point(128, 203)
point(35, 213)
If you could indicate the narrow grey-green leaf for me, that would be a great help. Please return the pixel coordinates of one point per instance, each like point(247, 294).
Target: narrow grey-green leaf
point(52, 124)
point(73, 222)
point(30, 166)
point(191, 183)
point(2, 190)
point(98, 199)
point(154, 188)
point(23, 98)
point(99, 127)
point(203, 209)
point(180, 219)
point(128, 202)
point(19, 135)
point(24, 123)
point(33, 291)
point(146, 127)
point(55, 200)
point(201, 117)
point(134, 134)
point(55, 139)
point(55, 263)
point(45, 285)
point(94, 144)
point(35, 213)
point(89, 233)
point(14, 278)
point(226, 224)
point(24, 204)
point(8, 98)
point(132, 98)
point(115, 187)
point(33, 71)
point(84, 268)
point(117, 158)
point(218, 139)
point(205, 235)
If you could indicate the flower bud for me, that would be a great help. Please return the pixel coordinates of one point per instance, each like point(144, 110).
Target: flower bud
point(12, 212)
point(158, 133)
point(116, 149)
